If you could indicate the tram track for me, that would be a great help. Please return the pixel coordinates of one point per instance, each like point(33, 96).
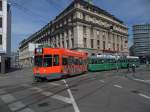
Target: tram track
point(79, 81)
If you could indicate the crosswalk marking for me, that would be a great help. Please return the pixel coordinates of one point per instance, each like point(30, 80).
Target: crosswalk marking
point(102, 81)
point(145, 96)
point(8, 98)
point(26, 110)
point(16, 106)
point(118, 86)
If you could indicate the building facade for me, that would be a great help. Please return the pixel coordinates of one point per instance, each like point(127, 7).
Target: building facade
point(5, 32)
point(141, 36)
point(84, 27)
point(26, 55)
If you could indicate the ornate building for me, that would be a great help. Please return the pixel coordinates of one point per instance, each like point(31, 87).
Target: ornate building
point(83, 26)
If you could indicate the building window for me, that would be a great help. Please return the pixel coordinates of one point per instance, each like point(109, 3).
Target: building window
point(72, 41)
point(103, 45)
point(113, 46)
point(92, 32)
point(63, 44)
point(1, 22)
point(67, 43)
point(121, 47)
point(1, 5)
point(98, 43)
point(118, 47)
point(0, 39)
point(84, 30)
point(92, 43)
point(85, 42)
point(84, 16)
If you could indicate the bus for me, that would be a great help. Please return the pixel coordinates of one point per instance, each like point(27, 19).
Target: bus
point(55, 63)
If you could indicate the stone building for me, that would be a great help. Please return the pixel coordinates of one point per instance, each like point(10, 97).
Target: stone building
point(84, 27)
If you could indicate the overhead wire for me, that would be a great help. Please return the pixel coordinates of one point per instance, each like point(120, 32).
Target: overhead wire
point(27, 11)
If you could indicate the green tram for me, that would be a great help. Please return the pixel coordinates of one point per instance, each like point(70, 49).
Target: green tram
point(109, 62)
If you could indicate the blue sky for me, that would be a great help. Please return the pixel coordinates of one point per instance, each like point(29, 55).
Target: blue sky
point(28, 16)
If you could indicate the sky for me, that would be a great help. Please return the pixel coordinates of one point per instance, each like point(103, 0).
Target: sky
point(28, 16)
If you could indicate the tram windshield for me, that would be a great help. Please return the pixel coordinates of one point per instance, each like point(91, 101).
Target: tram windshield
point(38, 61)
point(46, 61)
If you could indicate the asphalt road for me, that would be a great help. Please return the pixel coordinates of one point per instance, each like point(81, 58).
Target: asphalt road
point(107, 91)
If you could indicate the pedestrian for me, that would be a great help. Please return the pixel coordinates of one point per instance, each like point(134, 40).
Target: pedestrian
point(147, 64)
point(128, 67)
point(133, 68)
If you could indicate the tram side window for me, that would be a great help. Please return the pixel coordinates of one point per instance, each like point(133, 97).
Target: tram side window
point(70, 60)
point(64, 61)
point(48, 60)
point(56, 60)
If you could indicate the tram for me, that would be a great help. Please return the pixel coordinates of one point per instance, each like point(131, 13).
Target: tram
point(55, 63)
point(109, 62)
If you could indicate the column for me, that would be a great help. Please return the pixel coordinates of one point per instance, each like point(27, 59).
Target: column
point(69, 37)
point(88, 37)
point(78, 36)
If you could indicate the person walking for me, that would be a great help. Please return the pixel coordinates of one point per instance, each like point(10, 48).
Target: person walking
point(133, 68)
point(128, 67)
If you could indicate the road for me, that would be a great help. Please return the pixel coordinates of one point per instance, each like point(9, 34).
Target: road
point(107, 91)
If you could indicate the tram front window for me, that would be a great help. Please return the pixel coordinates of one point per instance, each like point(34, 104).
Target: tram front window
point(47, 61)
point(38, 61)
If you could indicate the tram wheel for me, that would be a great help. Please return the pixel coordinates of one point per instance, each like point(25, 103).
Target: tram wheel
point(37, 79)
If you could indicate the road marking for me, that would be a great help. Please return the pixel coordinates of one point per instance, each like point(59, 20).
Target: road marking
point(8, 98)
point(55, 84)
point(58, 97)
point(26, 85)
point(145, 96)
point(36, 89)
point(62, 98)
point(75, 106)
point(142, 80)
point(47, 93)
point(4, 77)
point(16, 106)
point(26, 110)
point(102, 81)
point(118, 86)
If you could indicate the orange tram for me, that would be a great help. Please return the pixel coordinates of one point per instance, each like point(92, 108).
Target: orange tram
point(55, 63)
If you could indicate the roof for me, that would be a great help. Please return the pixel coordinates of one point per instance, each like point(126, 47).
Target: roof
point(85, 3)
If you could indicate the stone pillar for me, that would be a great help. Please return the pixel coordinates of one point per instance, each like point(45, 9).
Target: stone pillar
point(88, 37)
point(78, 36)
point(101, 40)
point(69, 37)
point(107, 39)
point(95, 38)
point(65, 43)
